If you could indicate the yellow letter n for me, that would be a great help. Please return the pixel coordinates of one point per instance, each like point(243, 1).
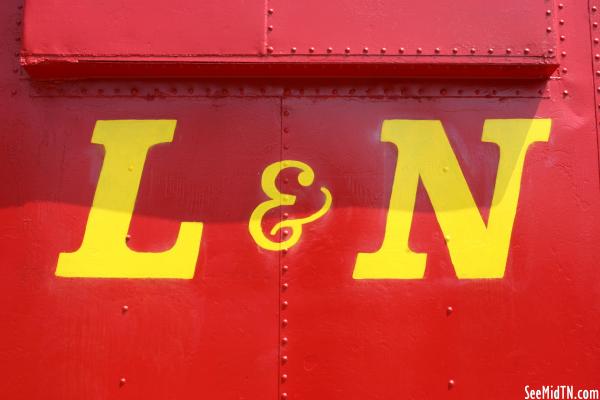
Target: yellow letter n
point(424, 152)
point(104, 252)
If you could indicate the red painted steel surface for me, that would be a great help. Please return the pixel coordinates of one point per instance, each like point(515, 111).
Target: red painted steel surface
point(396, 339)
point(436, 27)
point(224, 333)
point(144, 28)
point(74, 38)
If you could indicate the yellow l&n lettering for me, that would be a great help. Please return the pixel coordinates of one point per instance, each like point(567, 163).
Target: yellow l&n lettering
point(104, 252)
point(476, 250)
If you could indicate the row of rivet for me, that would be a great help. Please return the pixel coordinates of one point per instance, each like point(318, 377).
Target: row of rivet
point(563, 53)
point(401, 50)
point(283, 337)
point(16, 69)
point(70, 90)
point(124, 310)
point(449, 311)
point(596, 60)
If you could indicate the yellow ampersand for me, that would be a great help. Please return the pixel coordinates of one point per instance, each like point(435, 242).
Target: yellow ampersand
point(278, 199)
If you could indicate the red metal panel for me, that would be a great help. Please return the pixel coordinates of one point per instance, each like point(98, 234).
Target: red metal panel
point(224, 334)
point(406, 27)
point(382, 339)
point(143, 28)
point(71, 38)
point(71, 338)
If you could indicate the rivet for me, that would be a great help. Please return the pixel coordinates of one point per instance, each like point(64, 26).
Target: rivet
point(437, 50)
point(285, 286)
point(284, 395)
point(270, 49)
point(526, 50)
point(271, 11)
point(311, 49)
point(561, 21)
point(293, 49)
point(284, 359)
point(490, 50)
point(598, 89)
point(270, 28)
point(125, 308)
point(285, 268)
point(128, 237)
point(284, 322)
point(383, 50)
point(284, 304)
point(18, 22)
point(284, 251)
point(508, 51)
point(473, 50)
point(13, 92)
point(455, 50)
point(561, 6)
point(285, 232)
point(284, 341)
point(565, 92)
point(449, 310)
point(597, 56)
point(451, 383)
point(286, 113)
point(401, 50)
point(445, 169)
point(447, 238)
point(550, 51)
point(366, 50)
point(286, 130)
point(564, 54)
point(597, 73)
point(419, 50)
point(549, 29)
point(330, 49)
point(286, 147)
point(564, 70)
point(130, 168)
point(122, 381)
point(594, 9)
point(347, 50)
point(15, 70)
point(562, 37)
point(284, 378)
point(548, 12)
point(595, 24)
point(285, 215)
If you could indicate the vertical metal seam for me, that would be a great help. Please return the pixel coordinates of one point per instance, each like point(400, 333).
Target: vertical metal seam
point(594, 62)
point(265, 25)
point(279, 256)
